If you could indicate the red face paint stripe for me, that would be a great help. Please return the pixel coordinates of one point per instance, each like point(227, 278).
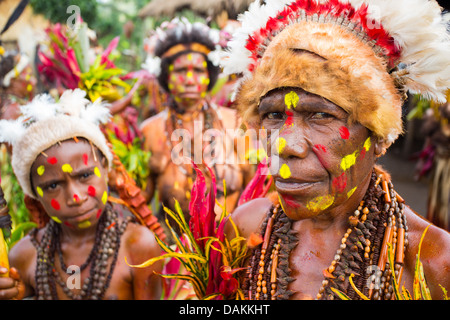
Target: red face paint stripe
point(85, 158)
point(55, 204)
point(76, 198)
point(345, 134)
point(340, 182)
point(99, 212)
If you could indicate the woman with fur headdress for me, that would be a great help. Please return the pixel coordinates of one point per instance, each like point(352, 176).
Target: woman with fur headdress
point(327, 80)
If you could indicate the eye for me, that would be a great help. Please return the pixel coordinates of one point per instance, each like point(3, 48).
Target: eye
point(321, 115)
point(51, 186)
point(86, 174)
point(273, 116)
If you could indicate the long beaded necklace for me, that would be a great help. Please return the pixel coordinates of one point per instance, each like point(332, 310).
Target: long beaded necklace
point(106, 245)
point(175, 121)
point(378, 222)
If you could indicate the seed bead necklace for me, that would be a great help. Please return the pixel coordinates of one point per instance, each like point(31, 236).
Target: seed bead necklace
point(106, 246)
point(378, 222)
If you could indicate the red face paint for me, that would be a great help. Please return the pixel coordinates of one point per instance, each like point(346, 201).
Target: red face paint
point(99, 213)
point(68, 224)
point(85, 158)
point(52, 160)
point(290, 119)
point(91, 191)
point(339, 183)
point(55, 204)
point(76, 198)
point(319, 151)
point(362, 154)
point(290, 202)
point(345, 134)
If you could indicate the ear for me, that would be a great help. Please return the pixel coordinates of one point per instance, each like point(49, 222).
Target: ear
point(379, 147)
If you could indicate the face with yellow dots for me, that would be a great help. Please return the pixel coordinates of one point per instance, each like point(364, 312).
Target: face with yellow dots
point(320, 160)
point(70, 181)
point(188, 78)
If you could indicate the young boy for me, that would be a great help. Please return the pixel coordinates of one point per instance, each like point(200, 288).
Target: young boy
point(61, 158)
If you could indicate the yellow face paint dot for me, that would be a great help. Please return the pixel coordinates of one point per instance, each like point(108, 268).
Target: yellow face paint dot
point(56, 219)
point(349, 194)
point(67, 168)
point(189, 56)
point(285, 172)
point(204, 64)
point(41, 170)
point(171, 67)
point(84, 224)
point(320, 203)
point(348, 161)
point(281, 144)
point(367, 144)
point(105, 197)
point(39, 191)
point(97, 172)
point(189, 74)
point(291, 99)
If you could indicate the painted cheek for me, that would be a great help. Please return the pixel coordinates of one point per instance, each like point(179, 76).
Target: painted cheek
point(320, 203)
point(321, 151)
point(340, 183)
point(345, 134)
point(97, 172)
point(40, 192)
point(55, 204)
point(104, 197)
point(91, 191)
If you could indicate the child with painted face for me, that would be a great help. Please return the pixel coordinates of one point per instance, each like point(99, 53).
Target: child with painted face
point(61, 158)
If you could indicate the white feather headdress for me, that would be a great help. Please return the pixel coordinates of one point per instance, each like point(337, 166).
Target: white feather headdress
point(44, 122)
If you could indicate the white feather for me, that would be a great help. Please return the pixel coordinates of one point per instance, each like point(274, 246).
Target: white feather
point(96, 112)
point(42, 107)
point(11, 130)
point(72, 102)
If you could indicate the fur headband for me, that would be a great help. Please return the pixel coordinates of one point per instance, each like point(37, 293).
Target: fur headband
point(44, 123)
point(368, 54)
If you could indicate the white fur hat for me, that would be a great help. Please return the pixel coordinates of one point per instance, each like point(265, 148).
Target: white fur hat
point(44, 123)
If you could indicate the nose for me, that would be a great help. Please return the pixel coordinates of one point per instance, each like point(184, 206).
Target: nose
point(293, 144)
point(75, 195)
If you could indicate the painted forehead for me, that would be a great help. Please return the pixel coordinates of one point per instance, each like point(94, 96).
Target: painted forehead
point(194, 58)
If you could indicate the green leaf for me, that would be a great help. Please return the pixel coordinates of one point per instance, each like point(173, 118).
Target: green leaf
point(340, 294)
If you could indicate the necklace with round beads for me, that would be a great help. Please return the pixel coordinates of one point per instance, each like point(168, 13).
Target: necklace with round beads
point(106, 246)
point(377, 223)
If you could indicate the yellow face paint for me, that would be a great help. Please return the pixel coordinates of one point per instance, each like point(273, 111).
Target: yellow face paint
point(67, 168)
point(320, 203)
point(281, 144)
point(204, 64)
point(189, 74)
point(97, 172)
point(171, 68)
point(348, 161)
point(291, 99)
point(367, 144)
point(40, 192)
point(281, 203)
point(349, 194)
point(285, 172)
point(84, 224)
point(56, 219)
point(41, 170)
point(105, 197)
point(189, 56)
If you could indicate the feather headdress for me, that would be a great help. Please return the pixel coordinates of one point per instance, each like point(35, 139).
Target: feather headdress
point(389, 47)
point(44, 122)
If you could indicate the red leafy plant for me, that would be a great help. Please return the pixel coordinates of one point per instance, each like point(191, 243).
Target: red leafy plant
point(210, 260)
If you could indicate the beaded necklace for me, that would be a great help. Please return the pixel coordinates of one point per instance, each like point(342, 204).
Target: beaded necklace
point(106, 245)
point(175, 121)
point(378, 222)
